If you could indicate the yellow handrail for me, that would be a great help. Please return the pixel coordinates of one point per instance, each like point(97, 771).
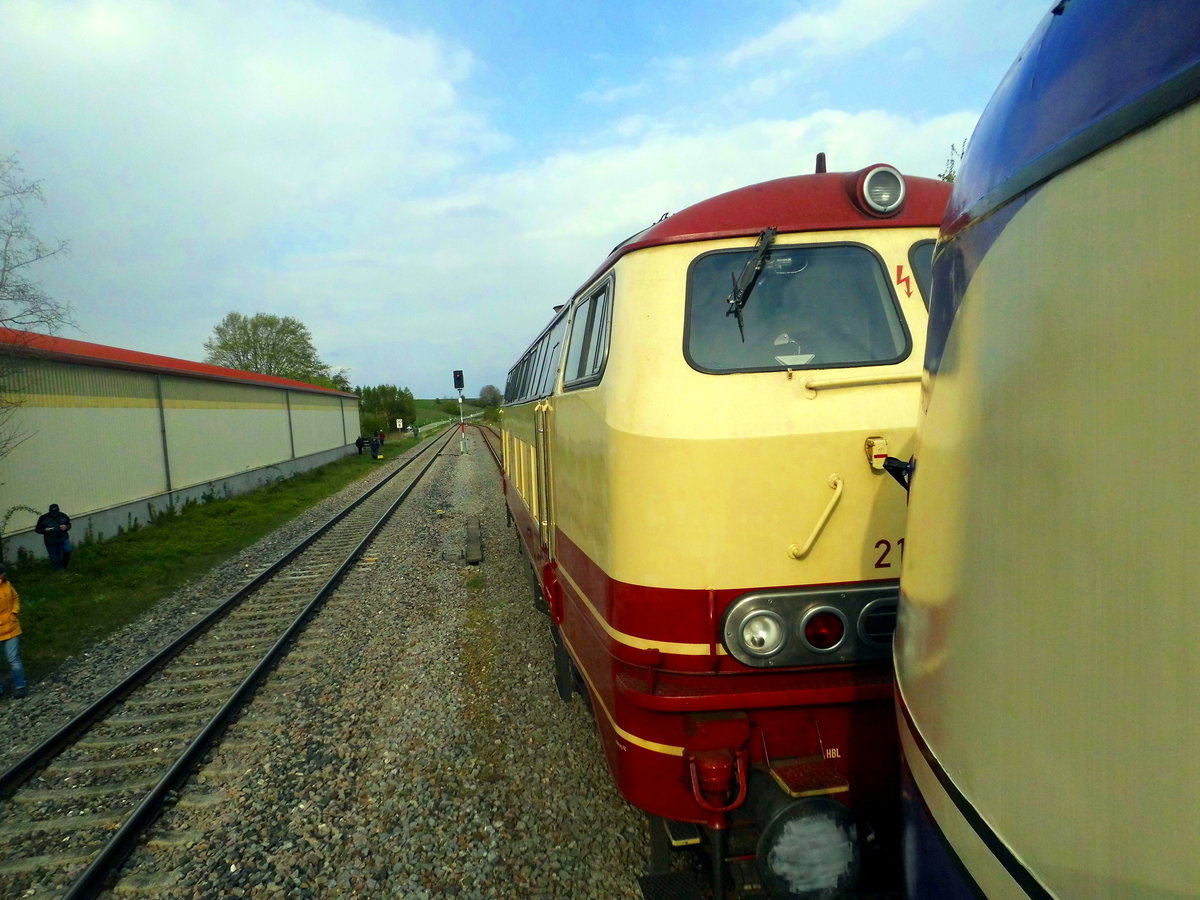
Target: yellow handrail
point(812, 384)
point(835, 482)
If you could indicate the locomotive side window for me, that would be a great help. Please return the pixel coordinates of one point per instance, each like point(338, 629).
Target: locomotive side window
point(535, 368)
point(553, 340)
point(533, 377)
point(920, 257)
point(524, 377)
point(588, 345)
point(811, 307)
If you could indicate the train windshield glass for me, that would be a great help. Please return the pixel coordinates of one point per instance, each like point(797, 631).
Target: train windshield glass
point(812, 307)
point(921, 259)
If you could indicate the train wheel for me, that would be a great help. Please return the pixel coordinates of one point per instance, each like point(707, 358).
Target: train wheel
point(564, 669)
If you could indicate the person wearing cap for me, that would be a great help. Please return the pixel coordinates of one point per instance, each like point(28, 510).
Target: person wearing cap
point(10, 629)
point(54, 526)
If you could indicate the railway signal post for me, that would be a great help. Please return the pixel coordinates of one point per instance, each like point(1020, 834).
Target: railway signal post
point(462, 427)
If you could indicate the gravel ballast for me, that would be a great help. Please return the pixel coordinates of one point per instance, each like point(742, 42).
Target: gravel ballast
point(412, 745)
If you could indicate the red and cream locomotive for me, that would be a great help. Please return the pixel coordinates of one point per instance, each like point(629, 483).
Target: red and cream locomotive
point(693, 452)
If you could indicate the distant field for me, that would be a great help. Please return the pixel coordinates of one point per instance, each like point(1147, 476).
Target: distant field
point(431, 410)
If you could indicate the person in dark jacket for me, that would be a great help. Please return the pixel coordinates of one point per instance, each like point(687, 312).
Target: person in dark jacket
point(360, 443)
point(54, 527)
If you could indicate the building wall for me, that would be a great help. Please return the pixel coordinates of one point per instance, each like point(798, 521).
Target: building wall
point(351, 427)
point(92, 439)
point(216, 429)
point(317, 422)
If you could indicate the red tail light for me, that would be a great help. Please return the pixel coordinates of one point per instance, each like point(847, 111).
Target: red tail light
point(824, 629)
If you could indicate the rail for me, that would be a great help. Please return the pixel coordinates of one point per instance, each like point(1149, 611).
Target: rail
point(115, 850)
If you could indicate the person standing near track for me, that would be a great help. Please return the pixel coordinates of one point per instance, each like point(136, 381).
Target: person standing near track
point(53, 527)
point(10, 629)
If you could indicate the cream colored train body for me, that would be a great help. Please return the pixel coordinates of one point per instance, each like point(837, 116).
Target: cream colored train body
point(1046, 654)
point(693, 454)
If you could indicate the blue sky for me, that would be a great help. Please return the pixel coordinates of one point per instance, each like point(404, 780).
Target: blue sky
point(419, 183)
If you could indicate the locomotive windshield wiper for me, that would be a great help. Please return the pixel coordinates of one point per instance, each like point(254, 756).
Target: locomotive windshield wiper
point(744, 283)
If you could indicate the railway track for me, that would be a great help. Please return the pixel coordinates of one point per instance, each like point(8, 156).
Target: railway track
point(75, 806)
point(491, 440)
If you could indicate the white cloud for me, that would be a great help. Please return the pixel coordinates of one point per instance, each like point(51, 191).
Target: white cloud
point(284, 157)
point(198, 156)
point(840, 31)
point(532, 235)
point(271, 112)
point(617, 94)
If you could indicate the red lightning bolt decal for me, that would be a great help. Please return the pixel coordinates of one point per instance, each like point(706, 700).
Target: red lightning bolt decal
point(903, 279)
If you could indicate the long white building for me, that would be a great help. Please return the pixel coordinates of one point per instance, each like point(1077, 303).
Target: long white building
point(113, 435)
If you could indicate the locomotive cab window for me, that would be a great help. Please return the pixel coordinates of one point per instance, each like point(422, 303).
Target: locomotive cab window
point(587, 347)
point(811, 307)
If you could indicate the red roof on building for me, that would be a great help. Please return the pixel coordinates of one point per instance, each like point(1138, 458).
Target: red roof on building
point(44, 346)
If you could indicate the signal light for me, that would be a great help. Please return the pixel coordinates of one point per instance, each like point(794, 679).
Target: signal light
point(823, 629)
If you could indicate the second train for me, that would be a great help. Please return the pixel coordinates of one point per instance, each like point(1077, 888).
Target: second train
point(694, 453)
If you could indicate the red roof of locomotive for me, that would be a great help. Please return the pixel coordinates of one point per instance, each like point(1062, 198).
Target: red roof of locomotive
point(44, 346)
point(823, 202)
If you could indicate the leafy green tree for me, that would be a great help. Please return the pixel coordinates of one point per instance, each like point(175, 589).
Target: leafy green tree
point(381, 405)
point(271, 345)
point(490, 396)
point(336, 379)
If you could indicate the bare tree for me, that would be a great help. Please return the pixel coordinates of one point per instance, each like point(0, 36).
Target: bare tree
point(24, 305)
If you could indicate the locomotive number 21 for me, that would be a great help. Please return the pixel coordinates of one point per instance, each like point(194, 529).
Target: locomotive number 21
point(885, 548)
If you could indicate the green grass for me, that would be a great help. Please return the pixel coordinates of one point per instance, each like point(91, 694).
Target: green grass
point(431, 410)
point(111, 582)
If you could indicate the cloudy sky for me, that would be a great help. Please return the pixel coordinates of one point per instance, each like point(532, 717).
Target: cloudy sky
point(419, 182)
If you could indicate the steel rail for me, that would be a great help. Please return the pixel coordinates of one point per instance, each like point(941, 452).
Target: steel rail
point(43, 753)
point(94, 879)
point(487, 442)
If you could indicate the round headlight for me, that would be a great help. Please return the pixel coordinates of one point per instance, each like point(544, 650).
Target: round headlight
point(762, 633)
point(883, 189)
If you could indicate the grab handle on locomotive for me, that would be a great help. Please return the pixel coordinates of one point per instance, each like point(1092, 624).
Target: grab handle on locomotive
point(799, 551)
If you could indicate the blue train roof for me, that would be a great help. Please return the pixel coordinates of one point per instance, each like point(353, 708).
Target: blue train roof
point(1094, 71)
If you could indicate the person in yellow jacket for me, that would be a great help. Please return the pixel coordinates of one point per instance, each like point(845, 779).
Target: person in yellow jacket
point(10, 630)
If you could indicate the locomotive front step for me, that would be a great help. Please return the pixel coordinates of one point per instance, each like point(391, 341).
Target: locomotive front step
point(805, 776)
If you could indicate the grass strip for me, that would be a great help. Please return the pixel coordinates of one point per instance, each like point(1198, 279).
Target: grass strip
point(111, 582)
